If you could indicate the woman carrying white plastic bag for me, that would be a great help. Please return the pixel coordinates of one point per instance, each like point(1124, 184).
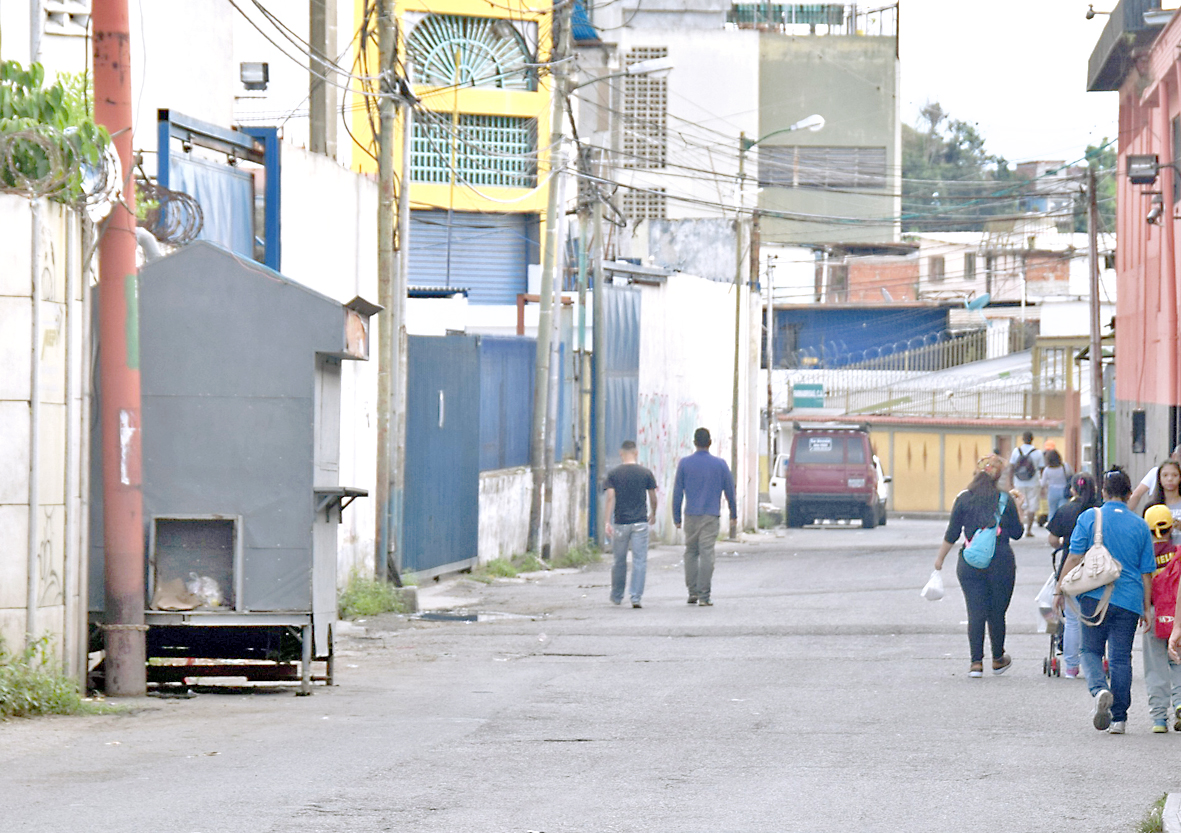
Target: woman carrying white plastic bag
point(933, 590)
point(988, 589)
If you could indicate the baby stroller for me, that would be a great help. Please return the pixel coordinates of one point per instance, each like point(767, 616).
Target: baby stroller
point(1052, 664)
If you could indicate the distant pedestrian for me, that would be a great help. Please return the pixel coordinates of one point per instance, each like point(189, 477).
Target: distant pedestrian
point(1026, 463)
point(1085, 495)
point(701, 481)
point(1055, 481)
point(631, 510)
point(988, 590)
point(1150, 479)
point(1127, 538)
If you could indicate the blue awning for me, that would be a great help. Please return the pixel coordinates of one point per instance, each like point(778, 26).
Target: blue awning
point(581, 28)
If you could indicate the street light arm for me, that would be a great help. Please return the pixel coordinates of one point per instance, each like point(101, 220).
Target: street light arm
point(813, 123)
point(650, 67)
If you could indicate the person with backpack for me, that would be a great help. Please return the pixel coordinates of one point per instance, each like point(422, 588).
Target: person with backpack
point(1055, 481)
point(1061, 527)
point(1161, 675)
point(1110, 613)
point(1026, 463)
point(988, 518)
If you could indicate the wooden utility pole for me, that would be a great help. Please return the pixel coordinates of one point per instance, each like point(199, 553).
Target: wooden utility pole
point(118, 297)
point(322, 95)
point(541, 379)
point(391, 296)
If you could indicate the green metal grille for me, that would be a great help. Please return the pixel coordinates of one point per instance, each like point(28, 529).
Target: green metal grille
point(489, 150)
point(491, 53)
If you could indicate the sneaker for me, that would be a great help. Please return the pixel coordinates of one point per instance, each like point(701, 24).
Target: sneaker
point(693, 601)
point(1118, 728)
point(1072, 673)
point(617, 601)
point(1000, 666)
point(704, 602)
point(636, 603)
point(976, 669)
point(1160, 726)
point(1101, 712)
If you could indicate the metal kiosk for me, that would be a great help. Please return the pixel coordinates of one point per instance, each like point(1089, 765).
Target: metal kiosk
point(241, 383)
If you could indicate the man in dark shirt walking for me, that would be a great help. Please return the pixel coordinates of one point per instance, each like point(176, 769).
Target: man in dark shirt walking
point(701, 480)
point(629, 487)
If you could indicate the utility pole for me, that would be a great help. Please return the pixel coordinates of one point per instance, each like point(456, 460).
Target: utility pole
point(1097, 449)
point(599, 348)
point(321, 94)
point(742, 145)
point(391, 296)
point(541, 379)
point(123, 529)
point(772, 434)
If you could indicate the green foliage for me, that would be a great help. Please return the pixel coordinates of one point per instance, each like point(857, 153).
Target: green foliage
point(363, 596)
point(29, 686)
point(950, 181)
point(499, 568)
point(57, 134)
point(529, 563)
point(1153, 821)
point(1104, 157)
point(579, 556)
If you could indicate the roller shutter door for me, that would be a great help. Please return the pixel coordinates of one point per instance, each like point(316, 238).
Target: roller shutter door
point(490, 253)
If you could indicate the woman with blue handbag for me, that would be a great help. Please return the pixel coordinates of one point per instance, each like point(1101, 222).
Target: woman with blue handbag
point(988, 519)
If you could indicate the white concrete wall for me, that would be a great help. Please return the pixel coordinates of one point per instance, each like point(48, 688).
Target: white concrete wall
point(686, 382)
point(504, 510)
point(329, 241)
point(60, 611)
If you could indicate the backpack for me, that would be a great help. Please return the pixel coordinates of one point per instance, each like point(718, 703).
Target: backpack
point(1024, 467)
point(1164, 596)
point(981, 547)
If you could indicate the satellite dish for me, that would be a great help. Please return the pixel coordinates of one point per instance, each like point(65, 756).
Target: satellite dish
point(978, 302)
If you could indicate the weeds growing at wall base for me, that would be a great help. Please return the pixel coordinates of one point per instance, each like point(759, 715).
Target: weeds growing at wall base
point(364, 596)
point(30, 685)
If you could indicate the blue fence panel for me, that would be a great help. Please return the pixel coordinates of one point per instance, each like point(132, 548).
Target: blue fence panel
point(506, 400)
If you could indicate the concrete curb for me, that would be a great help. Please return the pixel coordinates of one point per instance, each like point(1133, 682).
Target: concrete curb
point(1171, 817)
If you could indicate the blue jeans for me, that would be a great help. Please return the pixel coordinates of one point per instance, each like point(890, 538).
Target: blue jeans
point(1071, 637)
point(1055, 497)
point(1114, 634)
point(637, 535)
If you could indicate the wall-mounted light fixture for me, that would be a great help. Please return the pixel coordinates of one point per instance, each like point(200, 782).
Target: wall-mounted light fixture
point(254, 74)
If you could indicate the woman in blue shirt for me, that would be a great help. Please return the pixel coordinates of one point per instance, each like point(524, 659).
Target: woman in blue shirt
point(1127, 538)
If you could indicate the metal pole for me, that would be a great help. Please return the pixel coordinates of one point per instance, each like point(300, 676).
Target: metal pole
point(598, 345)
point(1097, 450)
point(737, 307)
point(400, 364)
point(386, 45)
point(123, 529)
point(584, 388)
point(561, 15)
point(32, 554)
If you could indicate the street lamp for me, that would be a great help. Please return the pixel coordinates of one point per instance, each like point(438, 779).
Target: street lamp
point(812, 123)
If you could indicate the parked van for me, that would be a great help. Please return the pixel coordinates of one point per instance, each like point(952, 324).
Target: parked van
point(832, 473)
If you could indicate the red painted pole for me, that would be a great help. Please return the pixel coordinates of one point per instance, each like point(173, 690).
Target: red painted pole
point(118, 299)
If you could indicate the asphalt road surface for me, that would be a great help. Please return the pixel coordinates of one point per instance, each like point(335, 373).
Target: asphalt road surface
point(820, 693)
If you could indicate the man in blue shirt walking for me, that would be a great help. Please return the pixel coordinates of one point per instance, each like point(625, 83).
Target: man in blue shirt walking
point(1127, 538)
point(701, 480)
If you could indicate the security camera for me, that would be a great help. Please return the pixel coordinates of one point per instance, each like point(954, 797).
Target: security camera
point(1154, 215)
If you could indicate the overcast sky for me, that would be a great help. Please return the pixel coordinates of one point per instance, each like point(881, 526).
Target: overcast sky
point(1017, 69)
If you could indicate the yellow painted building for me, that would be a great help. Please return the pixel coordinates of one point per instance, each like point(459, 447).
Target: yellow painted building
point(479, 155)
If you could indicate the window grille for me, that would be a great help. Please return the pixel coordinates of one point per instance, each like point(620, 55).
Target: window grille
point(822, 167)
point(936, 268)
point(66, 17)
point(645, 113)
point(489, 150)
point(491, 53)
point(651, 204)
point(969, 266)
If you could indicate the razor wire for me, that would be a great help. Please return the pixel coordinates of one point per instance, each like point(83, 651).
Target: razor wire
point(170, 216)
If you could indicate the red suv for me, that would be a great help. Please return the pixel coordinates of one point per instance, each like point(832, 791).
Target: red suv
point(831, 474)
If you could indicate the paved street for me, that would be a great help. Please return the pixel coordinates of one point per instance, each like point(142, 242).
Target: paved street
point(820, 693)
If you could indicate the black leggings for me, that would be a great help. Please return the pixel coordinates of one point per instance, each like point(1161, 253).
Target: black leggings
point(987, 594)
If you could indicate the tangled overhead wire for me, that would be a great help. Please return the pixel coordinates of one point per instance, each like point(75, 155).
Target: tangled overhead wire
point(169, 216)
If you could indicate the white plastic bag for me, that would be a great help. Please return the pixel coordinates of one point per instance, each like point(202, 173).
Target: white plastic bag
point(1048, 620)
point(933, 590)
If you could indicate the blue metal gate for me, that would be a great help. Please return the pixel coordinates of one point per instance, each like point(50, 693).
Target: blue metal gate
point(621, 323)
point(442, 497)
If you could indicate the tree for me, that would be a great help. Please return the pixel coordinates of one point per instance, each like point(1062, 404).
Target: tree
point(1103, 156)
point(950, 182)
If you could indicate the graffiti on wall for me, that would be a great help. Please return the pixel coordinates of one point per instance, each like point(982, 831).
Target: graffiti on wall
point(665, 434)
point(50, 590)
